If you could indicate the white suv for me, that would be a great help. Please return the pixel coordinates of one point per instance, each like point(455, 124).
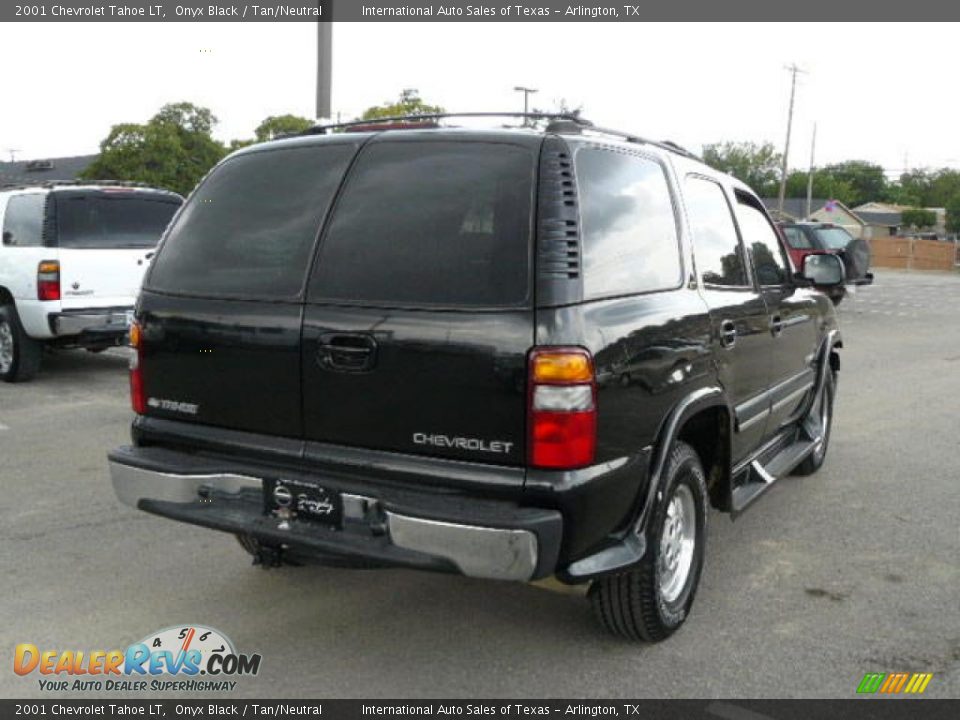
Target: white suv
point(71, 260)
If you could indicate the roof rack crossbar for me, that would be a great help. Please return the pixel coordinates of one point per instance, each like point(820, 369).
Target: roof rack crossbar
point(322, 129)
point(580, 122)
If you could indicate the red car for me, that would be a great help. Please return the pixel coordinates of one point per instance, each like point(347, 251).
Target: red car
point(804, 238)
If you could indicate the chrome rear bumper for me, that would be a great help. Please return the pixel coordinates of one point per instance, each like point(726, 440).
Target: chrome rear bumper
point(108, 320)
point(475, 550)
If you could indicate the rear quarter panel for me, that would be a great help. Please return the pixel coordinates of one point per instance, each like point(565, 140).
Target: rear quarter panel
point(650, 351)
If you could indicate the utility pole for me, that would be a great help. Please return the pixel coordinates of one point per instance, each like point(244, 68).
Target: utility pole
point(324, 67)
point(527, 92)
point(13, 153)
point(786, 148)
point(813, 150)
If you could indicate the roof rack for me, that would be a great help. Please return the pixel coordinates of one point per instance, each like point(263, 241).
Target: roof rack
point(322, 129)
point(559, 123)
point(667, 145)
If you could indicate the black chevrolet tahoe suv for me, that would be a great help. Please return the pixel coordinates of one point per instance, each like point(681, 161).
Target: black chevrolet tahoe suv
point(510, 353)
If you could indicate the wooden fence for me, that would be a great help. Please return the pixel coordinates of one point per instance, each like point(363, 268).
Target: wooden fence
point(911, 254)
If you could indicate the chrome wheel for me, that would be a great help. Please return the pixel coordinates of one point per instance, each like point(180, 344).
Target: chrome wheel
point(677, 541)
point(6, 346)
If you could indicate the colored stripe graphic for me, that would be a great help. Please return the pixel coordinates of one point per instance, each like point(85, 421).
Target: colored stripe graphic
point(894, 683)
point(871, 682)
point(918, 683)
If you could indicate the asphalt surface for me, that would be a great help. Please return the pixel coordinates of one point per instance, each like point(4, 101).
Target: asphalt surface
point(850, 571)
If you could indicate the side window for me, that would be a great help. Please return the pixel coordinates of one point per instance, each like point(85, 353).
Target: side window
point(797, 238)
point(630, 242)
point(719, 255)
point(763, 242)
point(23, 220)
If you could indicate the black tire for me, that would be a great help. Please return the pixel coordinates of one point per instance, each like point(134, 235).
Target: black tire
point(815, 419)
point(633, 604)
point(248, 543)
point(19, 354)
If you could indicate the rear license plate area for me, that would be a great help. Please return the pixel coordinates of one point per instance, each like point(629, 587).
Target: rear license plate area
point(303, 501)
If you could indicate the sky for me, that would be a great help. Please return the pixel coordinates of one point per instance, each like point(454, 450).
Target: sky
point(878, 92)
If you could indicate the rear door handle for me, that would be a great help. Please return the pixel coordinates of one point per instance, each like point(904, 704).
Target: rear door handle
point(346, 352)
point(728, 333)
point(776, 325)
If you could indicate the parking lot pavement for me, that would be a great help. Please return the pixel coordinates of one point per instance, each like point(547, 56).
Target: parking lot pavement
point(850, 571)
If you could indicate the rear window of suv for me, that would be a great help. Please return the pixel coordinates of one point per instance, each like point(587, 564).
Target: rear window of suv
point(112, 219)
point(833, 238)
point(250, 227)
point(431, 223)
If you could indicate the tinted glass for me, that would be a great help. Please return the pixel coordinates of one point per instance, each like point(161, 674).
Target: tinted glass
point(764, 244)
point(431, 223)
point(833, 238)
point(23, 220)
point(797, 238)
point(629, 229)
point(719, 256)
point(106, 220)
point(250, 227)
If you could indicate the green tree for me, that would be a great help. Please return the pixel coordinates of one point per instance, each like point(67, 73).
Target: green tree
point(953, 214)
point(273, 127)
point(918, 218)
point(410, 103)
point(279, 125)
point(825, 186)
point(944, 187)
point(913, 188)
point(865, 180)
point(173, 150)
point(756, 165)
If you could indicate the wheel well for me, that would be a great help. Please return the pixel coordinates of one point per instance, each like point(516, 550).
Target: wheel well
point(6, 298)
point(835, 360)
point(708, 432)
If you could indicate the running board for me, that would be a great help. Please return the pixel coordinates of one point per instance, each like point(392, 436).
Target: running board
point(759, 477)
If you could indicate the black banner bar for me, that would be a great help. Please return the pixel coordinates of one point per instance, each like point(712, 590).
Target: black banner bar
point(854, 709)
point(472, 11)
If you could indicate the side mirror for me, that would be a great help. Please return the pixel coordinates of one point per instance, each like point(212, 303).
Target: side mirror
point(7, 237)
point(823, 269)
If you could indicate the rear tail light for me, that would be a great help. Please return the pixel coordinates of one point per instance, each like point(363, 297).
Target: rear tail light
point(563, 408)
point(48, 280)
point(138, 400)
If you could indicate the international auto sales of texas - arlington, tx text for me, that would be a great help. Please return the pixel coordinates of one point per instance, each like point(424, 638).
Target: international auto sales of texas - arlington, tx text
point(503, 11)
point(510, 710)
